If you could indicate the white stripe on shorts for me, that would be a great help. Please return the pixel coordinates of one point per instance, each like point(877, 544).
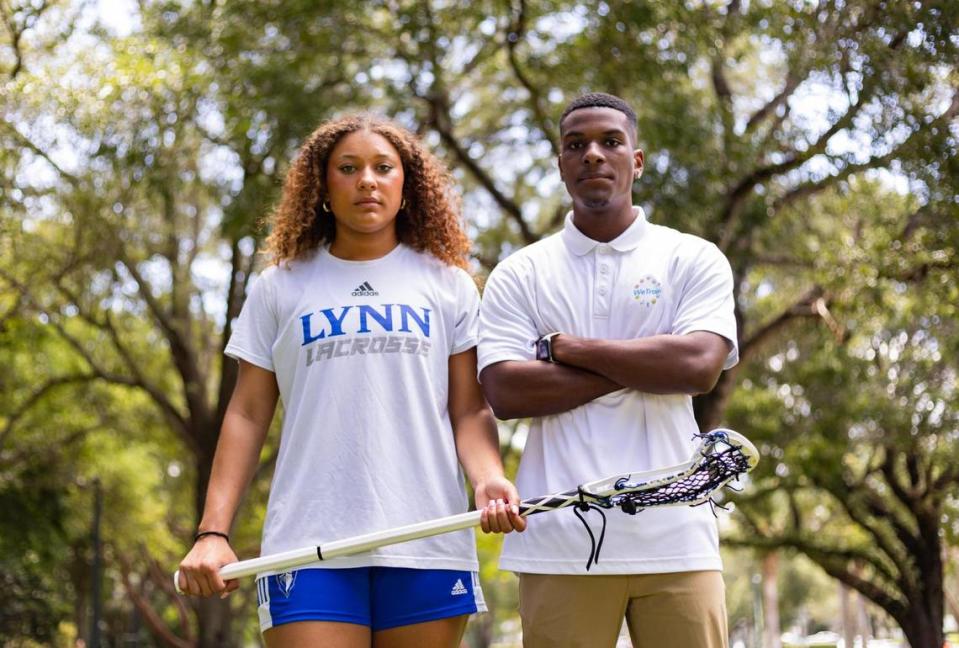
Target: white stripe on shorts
point(478, 593)
point(263, 607)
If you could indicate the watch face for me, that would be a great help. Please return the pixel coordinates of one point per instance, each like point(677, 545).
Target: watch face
point(542, 349)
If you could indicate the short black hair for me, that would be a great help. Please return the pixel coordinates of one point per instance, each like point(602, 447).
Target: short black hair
point(601, 100)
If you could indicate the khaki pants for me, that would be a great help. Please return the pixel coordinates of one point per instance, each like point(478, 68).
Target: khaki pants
point(679, 610)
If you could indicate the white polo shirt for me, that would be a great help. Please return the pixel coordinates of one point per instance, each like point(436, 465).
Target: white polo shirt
point(650, 280)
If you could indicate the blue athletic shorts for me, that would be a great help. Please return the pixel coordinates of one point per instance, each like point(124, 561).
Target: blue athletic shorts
point(378, 597)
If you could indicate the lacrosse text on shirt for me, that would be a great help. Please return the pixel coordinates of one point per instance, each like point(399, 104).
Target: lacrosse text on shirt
point(358, 325)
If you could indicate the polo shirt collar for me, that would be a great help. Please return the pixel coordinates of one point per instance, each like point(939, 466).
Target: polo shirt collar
point(580, 244)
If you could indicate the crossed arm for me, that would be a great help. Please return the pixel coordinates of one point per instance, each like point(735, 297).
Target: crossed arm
point(587, 368)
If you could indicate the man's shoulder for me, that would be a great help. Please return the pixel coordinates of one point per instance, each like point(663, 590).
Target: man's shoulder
point(680, 243)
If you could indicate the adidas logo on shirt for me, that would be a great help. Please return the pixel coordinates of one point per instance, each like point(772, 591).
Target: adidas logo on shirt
point(365, 290)
point(459, 588)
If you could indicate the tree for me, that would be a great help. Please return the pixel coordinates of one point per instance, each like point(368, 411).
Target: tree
point(862, 427)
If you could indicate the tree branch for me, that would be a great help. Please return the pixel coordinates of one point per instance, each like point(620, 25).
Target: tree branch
point(98, 371)
point(806, 306)
point(441, 121)
point(806, 189)
point(38, 394)
point(835, 563)
point(792, 82)
point(743, 189)
point(846, 501)
point(63, 445)
point(516, 34)
point(161, 579)
point(181, 351)
point(152, 619)
point(26, 143)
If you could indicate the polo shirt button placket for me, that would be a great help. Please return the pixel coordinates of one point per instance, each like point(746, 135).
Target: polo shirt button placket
point(601, 282)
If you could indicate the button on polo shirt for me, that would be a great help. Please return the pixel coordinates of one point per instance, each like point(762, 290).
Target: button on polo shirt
point(607, 256)
point(650, 280)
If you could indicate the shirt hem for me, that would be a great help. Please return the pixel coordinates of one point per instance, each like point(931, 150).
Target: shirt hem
point(407, 562)
point(465, 346)
point(605, 567)
point(240, 354)
point(499, 357)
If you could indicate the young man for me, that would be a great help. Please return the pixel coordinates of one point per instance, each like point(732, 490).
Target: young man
point(602, 333)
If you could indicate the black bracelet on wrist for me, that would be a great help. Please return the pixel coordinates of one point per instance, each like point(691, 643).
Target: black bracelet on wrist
point(202, 534)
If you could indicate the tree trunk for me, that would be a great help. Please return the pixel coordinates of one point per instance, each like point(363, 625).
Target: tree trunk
point(847, 621)
point(771, 627)
point(709, 408)
point(80, 577)
point(862, 619)
point(921, 631)
point(215, 627)
point(922, 624)
point(204, 466)
point(953, 601)
point(214, 615)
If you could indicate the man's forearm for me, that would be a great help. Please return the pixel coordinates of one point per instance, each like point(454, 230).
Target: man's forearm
point(518, 389)
point(661, 364)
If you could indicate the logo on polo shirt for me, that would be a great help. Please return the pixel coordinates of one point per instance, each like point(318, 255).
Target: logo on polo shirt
point(458, 588)
point(365, 290)
point(648, 290)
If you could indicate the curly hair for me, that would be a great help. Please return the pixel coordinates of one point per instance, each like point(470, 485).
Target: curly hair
point(429, 221)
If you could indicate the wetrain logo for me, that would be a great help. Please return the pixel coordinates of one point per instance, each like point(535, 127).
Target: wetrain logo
point(648, 291)
point(365, 290)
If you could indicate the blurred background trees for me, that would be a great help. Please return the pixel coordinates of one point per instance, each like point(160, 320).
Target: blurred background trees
point(142, 144)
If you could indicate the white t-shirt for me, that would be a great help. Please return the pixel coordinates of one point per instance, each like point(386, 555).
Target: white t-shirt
point(361, 352)
point(650, 280)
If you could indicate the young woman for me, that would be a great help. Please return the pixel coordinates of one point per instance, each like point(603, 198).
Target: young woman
point(365, 326)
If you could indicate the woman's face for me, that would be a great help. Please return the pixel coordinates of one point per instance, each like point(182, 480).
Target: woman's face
point(364, 177)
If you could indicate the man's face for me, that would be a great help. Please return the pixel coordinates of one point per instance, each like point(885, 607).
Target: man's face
point(597, 161)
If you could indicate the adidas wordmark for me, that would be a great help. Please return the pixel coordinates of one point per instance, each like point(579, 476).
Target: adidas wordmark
point(365, 290)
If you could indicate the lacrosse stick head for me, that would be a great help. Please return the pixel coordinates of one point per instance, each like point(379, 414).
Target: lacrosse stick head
point(724, 455)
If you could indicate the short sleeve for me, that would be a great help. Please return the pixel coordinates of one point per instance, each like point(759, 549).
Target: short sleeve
point(466, 318)
point(255, 330)
point(507, 331)
point(707, 302)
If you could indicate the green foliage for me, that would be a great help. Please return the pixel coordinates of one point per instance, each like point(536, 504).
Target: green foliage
point(32, 554)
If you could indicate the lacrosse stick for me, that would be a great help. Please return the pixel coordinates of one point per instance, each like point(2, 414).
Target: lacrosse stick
point(722, 456)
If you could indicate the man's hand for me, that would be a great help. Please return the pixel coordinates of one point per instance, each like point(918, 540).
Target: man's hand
point(498, 500)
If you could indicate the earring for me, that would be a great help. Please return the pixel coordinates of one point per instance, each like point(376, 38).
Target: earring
point(325, 207)
point(403, 204)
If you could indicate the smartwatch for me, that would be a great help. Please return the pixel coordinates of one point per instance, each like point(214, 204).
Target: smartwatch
point(544, 347)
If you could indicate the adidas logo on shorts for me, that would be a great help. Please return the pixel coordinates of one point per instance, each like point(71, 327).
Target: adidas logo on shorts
point(459, 588)
point(365, 290)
